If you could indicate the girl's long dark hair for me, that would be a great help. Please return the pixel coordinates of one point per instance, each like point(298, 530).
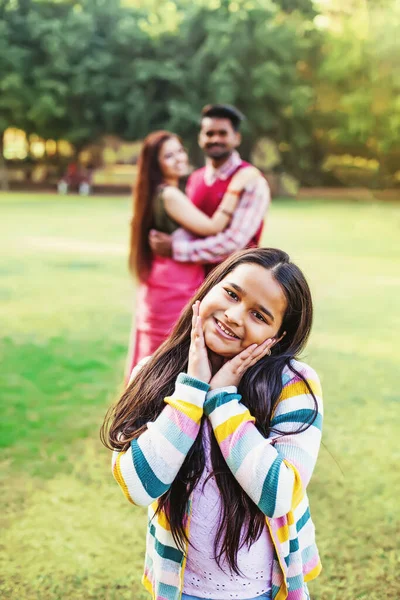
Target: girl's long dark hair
point(148, 179)
point(241, 522)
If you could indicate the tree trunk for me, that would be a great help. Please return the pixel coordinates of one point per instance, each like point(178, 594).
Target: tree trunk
point(3, 166)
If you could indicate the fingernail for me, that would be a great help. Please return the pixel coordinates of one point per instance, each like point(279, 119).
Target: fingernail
point(269, 340)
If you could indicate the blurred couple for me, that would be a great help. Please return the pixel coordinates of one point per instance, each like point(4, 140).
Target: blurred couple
point(177, 237)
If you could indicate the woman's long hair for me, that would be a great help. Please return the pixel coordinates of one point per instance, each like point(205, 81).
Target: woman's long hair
point(241, 521)
point(149, 177)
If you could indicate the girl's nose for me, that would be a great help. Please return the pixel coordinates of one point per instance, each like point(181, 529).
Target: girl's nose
point(234, 315)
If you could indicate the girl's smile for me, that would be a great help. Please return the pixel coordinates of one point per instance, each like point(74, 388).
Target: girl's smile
point(225, 331)
point(246, 307)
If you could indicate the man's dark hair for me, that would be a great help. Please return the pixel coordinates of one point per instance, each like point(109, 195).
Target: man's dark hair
point(224, 111)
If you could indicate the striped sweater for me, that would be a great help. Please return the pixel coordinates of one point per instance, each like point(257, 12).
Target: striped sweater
point(273, 471)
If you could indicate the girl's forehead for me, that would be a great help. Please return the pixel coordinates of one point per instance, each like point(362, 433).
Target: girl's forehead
point(248, 273)
point(256, 282)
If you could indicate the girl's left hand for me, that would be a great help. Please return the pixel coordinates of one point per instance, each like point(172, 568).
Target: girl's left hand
point(233, 370)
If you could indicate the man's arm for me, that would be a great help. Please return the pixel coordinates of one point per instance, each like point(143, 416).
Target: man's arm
point(246, 220)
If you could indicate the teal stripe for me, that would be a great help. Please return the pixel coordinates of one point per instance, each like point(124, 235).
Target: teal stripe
point(174, 434)
point(167, 591)
point(193, 382)
point(241, 449)
point(293, 547)
point(298, 416)
point(217, 400)
point(275, 590)
point(295, 583)
point(308, 553)
point(164, 551)
point(303, 520)
point(153, 486)
point(268, 495)
point(287, 560)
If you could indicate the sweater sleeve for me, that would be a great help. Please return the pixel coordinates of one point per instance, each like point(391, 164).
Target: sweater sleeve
point(273, 471)
point(146, 470)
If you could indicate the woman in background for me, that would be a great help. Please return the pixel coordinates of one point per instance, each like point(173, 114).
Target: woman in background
point(165, 285)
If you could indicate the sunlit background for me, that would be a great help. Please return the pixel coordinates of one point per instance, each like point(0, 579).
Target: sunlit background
point(82, 83)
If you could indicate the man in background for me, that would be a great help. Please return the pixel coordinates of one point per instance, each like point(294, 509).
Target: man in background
point(219, 139)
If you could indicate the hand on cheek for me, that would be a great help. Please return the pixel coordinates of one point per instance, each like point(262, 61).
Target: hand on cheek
point(232, 370)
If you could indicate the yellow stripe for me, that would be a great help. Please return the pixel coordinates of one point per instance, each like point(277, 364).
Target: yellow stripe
point(190, 410)
point(298, 492)
point(297, 389)
point(185, 554)
point(225, 429)
point(163, 521)
point(283, 590)
point(118, 476)
point(283, 534)
point(314, 573)
point(282, 594)
point(147, 584)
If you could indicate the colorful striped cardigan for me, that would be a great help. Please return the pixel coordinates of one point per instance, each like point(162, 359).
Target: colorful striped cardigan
point(274, 472)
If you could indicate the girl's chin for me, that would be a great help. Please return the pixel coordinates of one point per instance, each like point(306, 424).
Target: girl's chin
point(221, 347)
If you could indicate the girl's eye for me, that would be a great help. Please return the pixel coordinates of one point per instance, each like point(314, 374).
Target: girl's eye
point(231, 294)
point(259, 316)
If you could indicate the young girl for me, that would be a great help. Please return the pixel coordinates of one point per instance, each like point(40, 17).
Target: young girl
point(218, 434)
point(158, 203)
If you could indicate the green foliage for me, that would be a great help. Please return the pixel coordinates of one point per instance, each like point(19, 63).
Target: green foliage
point(79, 70)
point(358, 87)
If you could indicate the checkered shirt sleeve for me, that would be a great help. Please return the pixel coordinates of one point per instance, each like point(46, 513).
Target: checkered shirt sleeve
point(246, 220)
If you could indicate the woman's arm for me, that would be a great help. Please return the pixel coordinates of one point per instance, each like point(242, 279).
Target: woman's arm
point(183, 211)
point(273, 471)
point(146, 470)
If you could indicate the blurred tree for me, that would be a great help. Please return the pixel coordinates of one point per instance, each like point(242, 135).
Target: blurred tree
point(312, 83)
point(86, 75)
point(244, 53)
point(358, 86)
point(16, 61)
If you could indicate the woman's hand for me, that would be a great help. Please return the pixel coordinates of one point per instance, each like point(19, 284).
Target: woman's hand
point(243, 177)
point(199, 365)
point(233, 370)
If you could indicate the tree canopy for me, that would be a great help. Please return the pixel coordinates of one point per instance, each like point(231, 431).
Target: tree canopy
point(310, 79)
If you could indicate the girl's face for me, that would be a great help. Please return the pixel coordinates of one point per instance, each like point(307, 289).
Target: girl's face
point(246, 307)
point(173, 159)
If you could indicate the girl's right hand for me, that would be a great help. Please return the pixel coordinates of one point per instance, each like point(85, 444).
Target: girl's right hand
point(199, 365)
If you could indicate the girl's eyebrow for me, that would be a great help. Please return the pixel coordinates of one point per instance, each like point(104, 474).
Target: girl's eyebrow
point(259, 306)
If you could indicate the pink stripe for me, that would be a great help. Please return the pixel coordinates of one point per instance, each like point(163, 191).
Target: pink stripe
point(295, 594)
point(183, 422)
point(228, 444)
point(295, 379)
point(311, 564)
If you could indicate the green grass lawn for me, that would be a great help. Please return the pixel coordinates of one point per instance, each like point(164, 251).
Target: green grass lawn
point(65, 313)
